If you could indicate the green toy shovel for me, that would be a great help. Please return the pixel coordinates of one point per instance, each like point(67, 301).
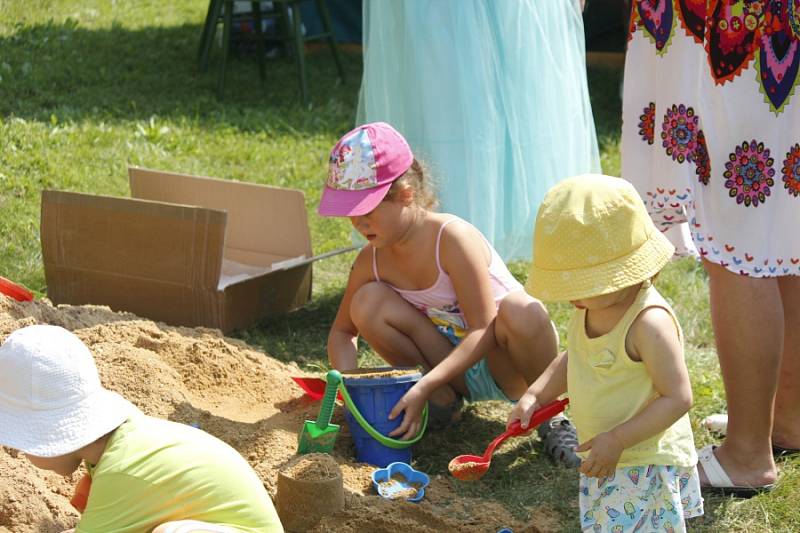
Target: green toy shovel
point(320, 436)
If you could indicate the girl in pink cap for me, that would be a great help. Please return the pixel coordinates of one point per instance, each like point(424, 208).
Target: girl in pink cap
point(426, 289)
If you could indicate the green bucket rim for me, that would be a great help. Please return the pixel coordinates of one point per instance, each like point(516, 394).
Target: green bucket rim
point(375, 434)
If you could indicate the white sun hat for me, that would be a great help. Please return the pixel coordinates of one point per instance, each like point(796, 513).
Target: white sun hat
point(51, 399)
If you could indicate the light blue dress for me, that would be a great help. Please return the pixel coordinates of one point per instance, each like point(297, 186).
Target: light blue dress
point(491, 95)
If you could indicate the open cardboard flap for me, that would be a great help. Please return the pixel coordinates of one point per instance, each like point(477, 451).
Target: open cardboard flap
point(186, 250)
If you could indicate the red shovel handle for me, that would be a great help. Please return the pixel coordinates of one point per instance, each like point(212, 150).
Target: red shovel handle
point(515, 429)
point(547, 412)
point(19, 293)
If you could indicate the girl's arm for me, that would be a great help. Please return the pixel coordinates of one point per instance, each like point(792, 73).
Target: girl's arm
point(547, 387)
point(653, 340)
point(343, 336)
point(465, 257)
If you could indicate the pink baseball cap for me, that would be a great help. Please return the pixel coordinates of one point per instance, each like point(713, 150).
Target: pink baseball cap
point(362, 167)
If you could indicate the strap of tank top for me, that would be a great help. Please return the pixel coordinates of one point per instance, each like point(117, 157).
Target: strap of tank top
point(375, 264)
point(439, 238)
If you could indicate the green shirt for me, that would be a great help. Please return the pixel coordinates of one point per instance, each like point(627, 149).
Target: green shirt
point(155, 471)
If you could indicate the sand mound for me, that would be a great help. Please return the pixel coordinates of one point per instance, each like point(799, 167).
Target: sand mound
point(237, 393)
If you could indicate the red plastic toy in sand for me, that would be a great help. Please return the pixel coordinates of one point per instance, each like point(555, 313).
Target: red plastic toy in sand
point(81, 496)
point(11, 289)
point(314, 387)
point(472, 467)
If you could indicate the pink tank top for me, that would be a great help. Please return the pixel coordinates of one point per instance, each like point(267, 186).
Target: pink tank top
point(439, 301)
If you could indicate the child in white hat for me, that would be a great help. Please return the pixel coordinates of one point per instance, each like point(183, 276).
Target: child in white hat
point(596, 247)
point(146, 474)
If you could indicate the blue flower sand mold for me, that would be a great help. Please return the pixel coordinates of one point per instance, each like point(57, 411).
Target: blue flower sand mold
point(399, 481)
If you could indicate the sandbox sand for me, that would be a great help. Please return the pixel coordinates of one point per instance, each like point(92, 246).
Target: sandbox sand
point(235, 392)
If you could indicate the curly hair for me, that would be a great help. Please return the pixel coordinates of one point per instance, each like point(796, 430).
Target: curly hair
point(417, 179)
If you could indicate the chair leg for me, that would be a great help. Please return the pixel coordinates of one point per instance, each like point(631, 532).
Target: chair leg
point(325, 17)
point(299, 51)
point(260, 51)
point(226, 44)
point(209, 29)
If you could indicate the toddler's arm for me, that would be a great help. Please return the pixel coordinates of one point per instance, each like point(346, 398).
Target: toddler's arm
point(547, 387)
point(653, 340)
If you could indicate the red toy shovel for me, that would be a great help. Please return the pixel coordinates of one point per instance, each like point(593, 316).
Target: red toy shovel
point(473, 467)
point(314, 387)
point(19, 293)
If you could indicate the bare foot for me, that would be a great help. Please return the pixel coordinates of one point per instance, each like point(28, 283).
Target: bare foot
point(751, 472)
point(444, 395)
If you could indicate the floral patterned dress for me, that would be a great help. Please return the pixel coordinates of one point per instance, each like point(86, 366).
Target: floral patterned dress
point(711, 128)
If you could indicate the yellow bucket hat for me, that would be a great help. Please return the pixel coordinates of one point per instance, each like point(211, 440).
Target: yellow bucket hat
point(593, 236)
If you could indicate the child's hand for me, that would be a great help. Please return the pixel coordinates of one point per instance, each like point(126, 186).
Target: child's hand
point(412, 403)
point(604, 452)
point(523, 410)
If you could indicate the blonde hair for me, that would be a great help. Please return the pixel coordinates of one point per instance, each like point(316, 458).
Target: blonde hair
point(418, 180)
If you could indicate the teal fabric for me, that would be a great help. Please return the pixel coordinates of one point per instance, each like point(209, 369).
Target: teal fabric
point(491, 94)
point(480, 382)
point(482, 385)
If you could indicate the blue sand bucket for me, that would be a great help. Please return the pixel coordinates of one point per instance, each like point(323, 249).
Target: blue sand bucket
point(369, 401)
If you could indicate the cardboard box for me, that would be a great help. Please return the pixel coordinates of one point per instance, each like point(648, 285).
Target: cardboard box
point(185, 250)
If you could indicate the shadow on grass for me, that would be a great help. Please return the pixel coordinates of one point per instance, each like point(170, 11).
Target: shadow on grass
point(300, 336)
point(132, 74)
point(520, 476)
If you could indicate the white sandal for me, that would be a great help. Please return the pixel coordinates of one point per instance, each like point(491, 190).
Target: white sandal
point(718, 479)
point(717, 424)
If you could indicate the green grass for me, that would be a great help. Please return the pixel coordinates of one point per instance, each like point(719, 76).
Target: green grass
point(89, 87)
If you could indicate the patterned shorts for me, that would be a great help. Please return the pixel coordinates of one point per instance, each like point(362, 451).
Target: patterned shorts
point(640, 498)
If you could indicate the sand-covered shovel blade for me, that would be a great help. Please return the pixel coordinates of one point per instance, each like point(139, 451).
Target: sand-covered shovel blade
point(320, 436)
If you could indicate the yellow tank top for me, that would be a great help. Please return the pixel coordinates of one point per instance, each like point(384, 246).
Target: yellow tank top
point(606, 388)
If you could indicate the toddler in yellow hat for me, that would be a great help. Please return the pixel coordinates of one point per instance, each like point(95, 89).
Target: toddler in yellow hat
point(596, 247)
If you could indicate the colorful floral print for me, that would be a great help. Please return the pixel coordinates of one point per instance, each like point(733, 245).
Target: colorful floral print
point(734, 33)
point(749, 174)
point(681, 137)
point(791, 171)
point(702, 160)
point(647, 123)
point(740, 82)
point(765, 30)
point(679, 133)
point(693, 18)
point(656, 20)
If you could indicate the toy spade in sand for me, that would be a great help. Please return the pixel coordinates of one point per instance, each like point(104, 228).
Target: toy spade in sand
point(472, 467)
point(314, 387)
point(320, 436)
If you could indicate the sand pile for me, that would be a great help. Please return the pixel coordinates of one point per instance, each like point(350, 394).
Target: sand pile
point(229, 389)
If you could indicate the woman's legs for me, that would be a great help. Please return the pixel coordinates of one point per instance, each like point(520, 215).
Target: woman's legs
point(748, 320)
point(527, 343)
point(402, 335)
point(786, 428)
